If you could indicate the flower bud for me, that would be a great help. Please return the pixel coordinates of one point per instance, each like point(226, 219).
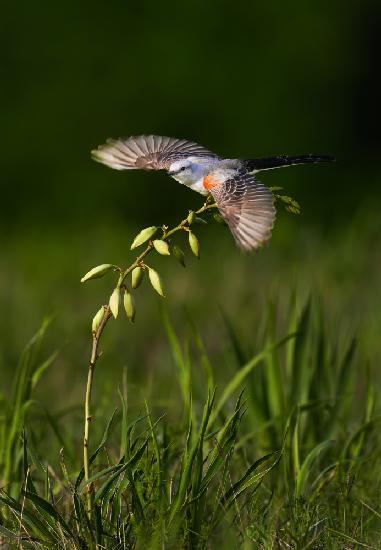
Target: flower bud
point(137, 276)
point(154, 277)
point(114, 302)
point(161, 247)
point(97, 319)
point(97, 272)
point(129, 305)
point(193, 243)
point(191, 217)
point(219, 218)
point(179, 255)
point(143, 236)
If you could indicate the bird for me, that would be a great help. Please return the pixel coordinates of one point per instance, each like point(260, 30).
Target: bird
point(246, 205)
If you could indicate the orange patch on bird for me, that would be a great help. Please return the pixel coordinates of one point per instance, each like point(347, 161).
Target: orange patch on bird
point(210, 182)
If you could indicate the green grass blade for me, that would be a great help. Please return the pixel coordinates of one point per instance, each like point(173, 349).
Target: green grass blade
point(48, 512)
point(156, 450)
point(189, 458)
point(38, 527)
point(39, 371)
point(6, 533)
point(103, 442)
point(251, 477)
point(107, 488)
point(301, 372)
point(305, 470)
point(240, 376)
point(183, 366)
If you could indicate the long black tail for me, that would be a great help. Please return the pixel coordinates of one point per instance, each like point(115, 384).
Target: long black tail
point(252, 165)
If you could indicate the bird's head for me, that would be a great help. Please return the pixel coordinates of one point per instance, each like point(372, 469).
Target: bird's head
point(184, 171)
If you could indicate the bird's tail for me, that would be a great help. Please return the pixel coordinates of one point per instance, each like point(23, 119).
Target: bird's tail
point(267, 163)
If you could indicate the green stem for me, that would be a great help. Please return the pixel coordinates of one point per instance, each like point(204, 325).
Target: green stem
point(95, 354)
point(90, 376)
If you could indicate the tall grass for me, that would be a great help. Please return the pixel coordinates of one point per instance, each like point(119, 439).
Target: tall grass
point(284, 455)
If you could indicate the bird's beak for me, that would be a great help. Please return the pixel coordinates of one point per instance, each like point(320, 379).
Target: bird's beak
point(169, 173)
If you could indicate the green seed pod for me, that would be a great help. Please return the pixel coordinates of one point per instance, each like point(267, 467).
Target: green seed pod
point(129, 306)
point(97, 319)
point(193, 243)
point(97, 272)
point(137, 276)
point(154, 277)
point(144, 235)
point(179, 255)
point(114, 302)
point(161, 247)
point(191, 217)
point(219, 218)
point(292, 210)
point(200, 221)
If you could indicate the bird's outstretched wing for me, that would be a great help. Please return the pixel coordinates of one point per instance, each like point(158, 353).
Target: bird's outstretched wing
point(248, 208)
point(147, 152)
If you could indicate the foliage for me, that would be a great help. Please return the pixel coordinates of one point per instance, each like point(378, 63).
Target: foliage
point(284, 464)
point(284, 453)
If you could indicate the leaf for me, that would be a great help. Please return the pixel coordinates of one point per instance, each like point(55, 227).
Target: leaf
point(47, 510)
point(107, 488)
point(39, 371)
point(238, 378)
point(250, 477)
point(4, 532)
point(189, 458)
point(301, 479)
point(38, 527)
point(81, 474)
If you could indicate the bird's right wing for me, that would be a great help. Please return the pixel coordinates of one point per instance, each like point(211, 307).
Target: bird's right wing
point(248, 208)
point(147, 152)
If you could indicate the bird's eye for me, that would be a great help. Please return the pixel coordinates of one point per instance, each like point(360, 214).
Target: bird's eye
point(183, 168)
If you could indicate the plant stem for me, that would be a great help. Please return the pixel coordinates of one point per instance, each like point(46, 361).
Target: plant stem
point(90, 376)
point(95, 354)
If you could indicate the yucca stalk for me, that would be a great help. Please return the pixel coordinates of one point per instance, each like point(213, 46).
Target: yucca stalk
point(111, 309)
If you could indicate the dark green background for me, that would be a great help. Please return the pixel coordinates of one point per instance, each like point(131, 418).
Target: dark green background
point(244, 79)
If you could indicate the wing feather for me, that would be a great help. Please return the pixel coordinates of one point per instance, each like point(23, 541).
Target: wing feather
point(248, 208)
point(147, 152)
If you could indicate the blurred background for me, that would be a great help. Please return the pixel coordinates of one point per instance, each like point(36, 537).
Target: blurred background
point(244, 79)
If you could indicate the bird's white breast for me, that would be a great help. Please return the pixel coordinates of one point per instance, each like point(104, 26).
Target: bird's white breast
point(198, 186)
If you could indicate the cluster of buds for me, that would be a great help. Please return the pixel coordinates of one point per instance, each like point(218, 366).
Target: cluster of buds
point(122, 293)
point(290, 204)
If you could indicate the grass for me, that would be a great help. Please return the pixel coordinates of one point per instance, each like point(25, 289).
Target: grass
point(253, 423)
point(284, 455)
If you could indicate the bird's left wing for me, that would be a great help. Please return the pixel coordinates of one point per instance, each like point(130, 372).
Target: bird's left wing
point(247, 206)
point(147, 152)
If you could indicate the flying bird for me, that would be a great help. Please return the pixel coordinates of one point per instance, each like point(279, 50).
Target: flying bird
point(246, 204)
